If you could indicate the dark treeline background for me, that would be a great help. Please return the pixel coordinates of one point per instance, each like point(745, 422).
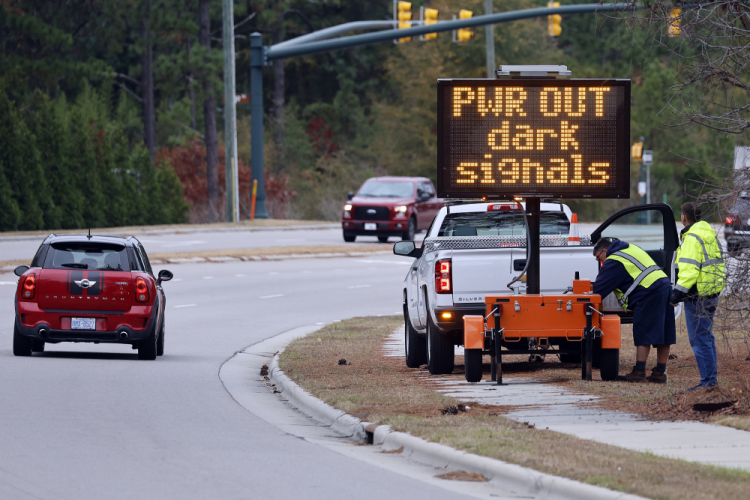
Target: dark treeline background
point(111, 110)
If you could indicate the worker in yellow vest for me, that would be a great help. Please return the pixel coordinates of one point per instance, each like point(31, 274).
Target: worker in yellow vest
point(700, 279)
point(641, 286)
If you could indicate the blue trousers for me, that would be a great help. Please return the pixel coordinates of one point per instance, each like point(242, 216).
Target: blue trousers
point(699, 316)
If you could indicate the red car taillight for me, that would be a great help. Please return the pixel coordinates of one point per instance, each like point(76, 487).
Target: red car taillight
point(731, 220)
point(141, 290)
point(443, 276)
point(29, 286)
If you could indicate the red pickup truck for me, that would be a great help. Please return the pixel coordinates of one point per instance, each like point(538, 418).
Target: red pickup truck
point(390, 206)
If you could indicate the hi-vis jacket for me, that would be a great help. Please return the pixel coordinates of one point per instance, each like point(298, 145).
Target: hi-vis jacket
point(700, 262)
point(640, 267)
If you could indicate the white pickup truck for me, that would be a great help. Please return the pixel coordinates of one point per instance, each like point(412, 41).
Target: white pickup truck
point(474, 249)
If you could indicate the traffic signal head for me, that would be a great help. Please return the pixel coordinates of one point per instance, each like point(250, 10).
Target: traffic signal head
point(636, 151)
point(465, 34)
point(404, 18)
point(430, 17)
point(554, 21)
point(674, 29)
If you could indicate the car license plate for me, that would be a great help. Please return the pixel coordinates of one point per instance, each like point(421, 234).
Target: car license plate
point(83, 323)
point(371, 226)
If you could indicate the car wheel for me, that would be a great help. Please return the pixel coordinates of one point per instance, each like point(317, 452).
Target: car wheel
point(383, 239)
point(147, 347)
point(37, 345)
point(415, 345)
point(160, 341)
point(411, 229)
point(609, 361)
point(440, 359)
point(349, 237)
point(473, 365)
point(21, 345)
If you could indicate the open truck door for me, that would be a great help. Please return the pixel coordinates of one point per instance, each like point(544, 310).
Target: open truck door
point(652, 227)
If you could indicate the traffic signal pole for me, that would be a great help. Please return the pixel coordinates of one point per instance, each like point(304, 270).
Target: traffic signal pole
point(261, 55)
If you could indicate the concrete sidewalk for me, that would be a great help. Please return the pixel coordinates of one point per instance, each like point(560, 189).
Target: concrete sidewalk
point(548, 406)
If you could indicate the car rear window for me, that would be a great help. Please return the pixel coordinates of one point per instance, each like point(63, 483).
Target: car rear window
point(87, 255)
point(741, 207)
point(498, 223)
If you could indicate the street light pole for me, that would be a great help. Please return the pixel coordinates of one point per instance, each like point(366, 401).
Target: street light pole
point(230, 115)
point(490, 38)
point(257, 60)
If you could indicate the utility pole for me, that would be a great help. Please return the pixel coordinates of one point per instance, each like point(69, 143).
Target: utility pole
point(230, 115)
point(257, 60)
point(490, 39)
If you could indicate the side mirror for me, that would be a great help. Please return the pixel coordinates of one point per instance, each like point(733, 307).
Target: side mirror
point(20, 270)
point(423, 196)
point(407, 249)
point(165, 275)
point(349, 195)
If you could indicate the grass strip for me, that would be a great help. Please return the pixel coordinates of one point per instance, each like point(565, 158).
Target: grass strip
point(381, 389)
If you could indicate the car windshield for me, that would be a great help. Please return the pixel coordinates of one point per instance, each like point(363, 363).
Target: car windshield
point(87, 255)
point(500, 223)
point(383, 189)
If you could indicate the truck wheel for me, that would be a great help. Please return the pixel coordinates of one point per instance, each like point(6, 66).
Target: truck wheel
point(21, 345)
point(349, 237)
point(37, 345)
point(610, 364)
point(473, 365)
point(147, 347)
point(383, 239)
point(415, 344)
point(439, 350)
point(411, 229)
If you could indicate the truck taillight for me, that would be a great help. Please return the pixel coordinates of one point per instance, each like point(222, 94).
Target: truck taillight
point(443, 276)
point(29, 286)
point(141, 290)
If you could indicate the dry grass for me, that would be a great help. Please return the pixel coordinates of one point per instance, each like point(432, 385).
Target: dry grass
point(380, 389)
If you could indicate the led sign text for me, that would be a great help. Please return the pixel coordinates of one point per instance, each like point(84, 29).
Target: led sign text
point(559, 138)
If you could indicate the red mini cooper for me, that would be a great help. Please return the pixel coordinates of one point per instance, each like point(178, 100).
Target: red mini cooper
point(90, 289)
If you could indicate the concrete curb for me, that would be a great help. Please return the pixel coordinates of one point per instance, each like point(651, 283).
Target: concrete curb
point(146, 231)
point(528, 480)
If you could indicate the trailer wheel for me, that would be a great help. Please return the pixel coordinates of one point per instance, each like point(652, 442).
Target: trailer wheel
point(609, 361)
point(473, 365)
point(415, 344)
point(439, 350)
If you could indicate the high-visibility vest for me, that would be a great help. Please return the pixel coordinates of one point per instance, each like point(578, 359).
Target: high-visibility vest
point(640, 267)
point(700, 261)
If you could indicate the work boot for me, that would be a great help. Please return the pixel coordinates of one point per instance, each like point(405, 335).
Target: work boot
point(657, 377)
point(635, 376)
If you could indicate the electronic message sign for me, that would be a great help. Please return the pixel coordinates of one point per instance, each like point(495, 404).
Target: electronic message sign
point(550, 138)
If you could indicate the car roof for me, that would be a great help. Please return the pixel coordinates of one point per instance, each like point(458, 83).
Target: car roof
point(84, 238)
point(393, 178)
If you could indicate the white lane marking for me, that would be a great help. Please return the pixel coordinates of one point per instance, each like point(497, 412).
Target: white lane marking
point(8, 283)
point(178, 244)
point(240, 275)
point(320, 323)
point(292, 239)
point(358, 286)
point(306, 272)
point(397, 262)
point(176, 279)
point(185, 305)
point(208, 277)
point(271, 296)
point(273, 273)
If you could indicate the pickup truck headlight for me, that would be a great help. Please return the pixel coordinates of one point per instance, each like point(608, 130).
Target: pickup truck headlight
point(399, 212)
point(348, 211)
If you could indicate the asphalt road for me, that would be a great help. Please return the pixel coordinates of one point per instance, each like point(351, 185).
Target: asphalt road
point(184, 241)
point(85, 421)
